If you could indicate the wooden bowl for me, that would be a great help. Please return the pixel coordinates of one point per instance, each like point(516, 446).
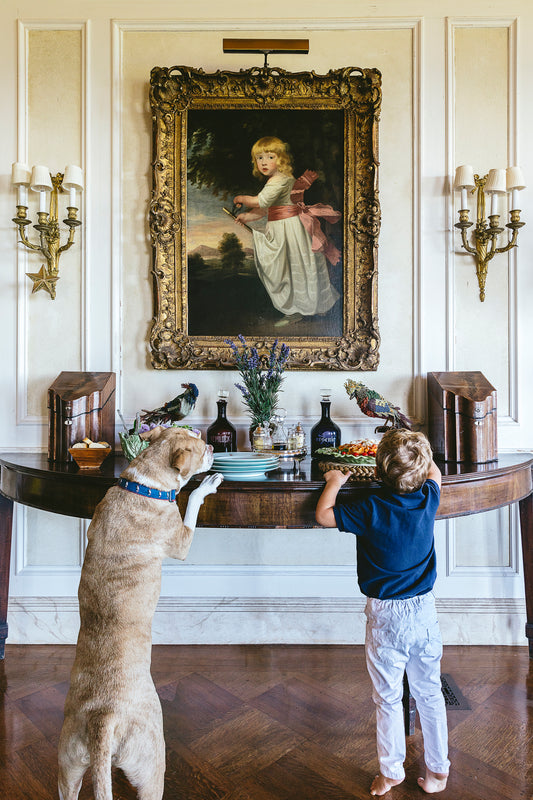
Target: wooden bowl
point(89, 457)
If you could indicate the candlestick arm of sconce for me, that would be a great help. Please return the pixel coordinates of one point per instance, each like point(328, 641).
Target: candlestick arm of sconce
point(49, 231)
point(21, 221)
point(515, 226)
point(464, 227)
point(72, 223)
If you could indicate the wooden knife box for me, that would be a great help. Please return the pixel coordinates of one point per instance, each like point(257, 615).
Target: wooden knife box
point(462, 417)
point(80, 405)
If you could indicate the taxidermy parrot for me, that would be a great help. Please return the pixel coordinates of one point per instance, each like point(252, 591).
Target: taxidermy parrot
point(174, 410)
point(373, 404)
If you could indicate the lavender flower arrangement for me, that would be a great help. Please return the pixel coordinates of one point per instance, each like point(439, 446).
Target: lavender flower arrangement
point(262, 376)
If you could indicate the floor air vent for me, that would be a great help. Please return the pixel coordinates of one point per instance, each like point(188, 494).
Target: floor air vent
point(452, 695)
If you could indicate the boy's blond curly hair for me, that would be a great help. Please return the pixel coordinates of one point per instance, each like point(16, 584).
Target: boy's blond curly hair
point(403, 460)
point(271, 144)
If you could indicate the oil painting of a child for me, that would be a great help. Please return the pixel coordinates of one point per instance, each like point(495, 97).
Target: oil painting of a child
point(282, 269)
point(291, 253)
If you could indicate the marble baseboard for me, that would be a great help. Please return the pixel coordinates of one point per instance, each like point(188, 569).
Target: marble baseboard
point(45, 620)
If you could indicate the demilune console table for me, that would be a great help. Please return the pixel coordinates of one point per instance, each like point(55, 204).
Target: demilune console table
point(284, 500)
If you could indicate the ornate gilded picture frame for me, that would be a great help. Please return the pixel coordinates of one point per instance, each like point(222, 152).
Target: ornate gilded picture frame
point(303, 267)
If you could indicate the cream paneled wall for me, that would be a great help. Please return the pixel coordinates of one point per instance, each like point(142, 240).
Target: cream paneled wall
point(82, 87)
point(52, 109)
point(490, 347)
point(392, 50)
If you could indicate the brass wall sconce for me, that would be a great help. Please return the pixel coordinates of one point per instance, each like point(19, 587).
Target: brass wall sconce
point(40, 180)
point(486, 233)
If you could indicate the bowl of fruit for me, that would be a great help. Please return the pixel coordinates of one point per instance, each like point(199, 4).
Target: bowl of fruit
point(88, 454)
point(358, 458)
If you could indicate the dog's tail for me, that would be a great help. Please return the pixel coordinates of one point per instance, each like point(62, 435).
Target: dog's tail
point(101, 734)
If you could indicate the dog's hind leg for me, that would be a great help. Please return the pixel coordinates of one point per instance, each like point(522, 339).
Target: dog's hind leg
point(152, 786)
point(72, 759)
point(69, 785)
point(146, 770)
point(101, 736)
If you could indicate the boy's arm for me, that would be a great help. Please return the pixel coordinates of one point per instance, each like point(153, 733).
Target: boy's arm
point(434, 474)
point(324, 508)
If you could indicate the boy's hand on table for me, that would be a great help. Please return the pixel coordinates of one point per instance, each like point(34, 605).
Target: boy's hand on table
point(335, 477)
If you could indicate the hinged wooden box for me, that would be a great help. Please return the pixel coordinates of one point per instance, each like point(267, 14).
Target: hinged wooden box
point(80, 405)
point(462, 412)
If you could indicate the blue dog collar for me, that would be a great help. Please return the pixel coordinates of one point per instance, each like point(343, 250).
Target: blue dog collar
point(147, 491)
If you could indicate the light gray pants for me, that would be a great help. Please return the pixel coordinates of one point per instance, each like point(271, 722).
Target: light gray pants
point(404, 636)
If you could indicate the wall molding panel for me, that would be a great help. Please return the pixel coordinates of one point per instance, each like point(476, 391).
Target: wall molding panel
point(510, 419)
point(23, 416)
point(509, 530)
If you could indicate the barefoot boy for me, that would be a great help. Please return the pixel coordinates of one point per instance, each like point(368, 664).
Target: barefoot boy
point(396, 570)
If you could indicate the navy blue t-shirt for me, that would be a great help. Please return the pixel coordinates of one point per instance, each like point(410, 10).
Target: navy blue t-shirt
point(395, 545)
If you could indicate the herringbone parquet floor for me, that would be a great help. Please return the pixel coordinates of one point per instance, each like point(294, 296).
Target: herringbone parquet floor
point(278, 723)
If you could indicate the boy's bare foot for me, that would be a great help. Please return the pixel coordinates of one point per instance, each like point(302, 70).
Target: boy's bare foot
point(381, 784)
point(433, 782)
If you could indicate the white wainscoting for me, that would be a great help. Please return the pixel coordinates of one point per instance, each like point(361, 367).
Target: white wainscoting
point(281, 620)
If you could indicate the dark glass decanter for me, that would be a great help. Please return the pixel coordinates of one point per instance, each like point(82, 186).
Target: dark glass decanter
point(325, 433)
point(221, 434)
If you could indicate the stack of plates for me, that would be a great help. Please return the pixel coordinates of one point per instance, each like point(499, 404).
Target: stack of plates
point(244, 466)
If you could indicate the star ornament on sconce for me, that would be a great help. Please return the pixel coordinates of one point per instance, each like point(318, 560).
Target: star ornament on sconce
point(43, 281)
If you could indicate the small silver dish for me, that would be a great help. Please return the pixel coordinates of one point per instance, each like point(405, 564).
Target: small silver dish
point(290, 459)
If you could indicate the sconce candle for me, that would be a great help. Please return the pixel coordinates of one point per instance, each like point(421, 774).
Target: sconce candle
point(464, 180)
point(41, 182)
point(495, 185)
point(515, 183)
point(73, 181)
point(21, 176)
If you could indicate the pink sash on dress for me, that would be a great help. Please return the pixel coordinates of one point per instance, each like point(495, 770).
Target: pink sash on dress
point(309, 216)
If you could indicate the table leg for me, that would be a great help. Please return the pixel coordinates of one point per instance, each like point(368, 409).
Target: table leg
point(526, 528)
point(6, 524)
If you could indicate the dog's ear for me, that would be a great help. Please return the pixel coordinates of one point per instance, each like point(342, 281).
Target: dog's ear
point(154, 434)
point(180, 459)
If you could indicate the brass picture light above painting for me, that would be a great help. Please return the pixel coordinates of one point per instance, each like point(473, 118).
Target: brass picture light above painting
point(265, 215)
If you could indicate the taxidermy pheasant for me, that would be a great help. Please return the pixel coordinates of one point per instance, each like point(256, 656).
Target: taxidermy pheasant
point(373, 404)
point(174, 410)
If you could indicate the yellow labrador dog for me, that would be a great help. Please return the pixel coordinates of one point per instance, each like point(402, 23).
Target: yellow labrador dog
point(112, 711)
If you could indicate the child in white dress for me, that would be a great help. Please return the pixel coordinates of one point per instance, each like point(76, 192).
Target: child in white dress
point(290, 254)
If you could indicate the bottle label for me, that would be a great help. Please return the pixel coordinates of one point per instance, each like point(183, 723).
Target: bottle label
point(222, 437)
point(326, 439)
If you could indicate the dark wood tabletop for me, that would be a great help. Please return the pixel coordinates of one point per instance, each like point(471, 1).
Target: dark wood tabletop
point(284, 499)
